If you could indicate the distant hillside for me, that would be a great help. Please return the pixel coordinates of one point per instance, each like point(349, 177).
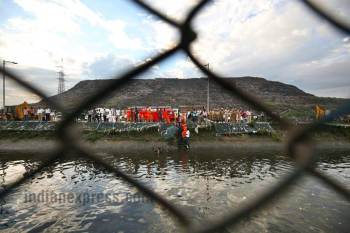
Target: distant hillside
point(193, 92)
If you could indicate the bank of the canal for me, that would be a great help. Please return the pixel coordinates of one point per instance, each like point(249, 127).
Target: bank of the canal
point(41, 145)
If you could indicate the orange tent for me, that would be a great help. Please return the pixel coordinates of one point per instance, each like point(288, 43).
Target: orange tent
point(320, 112)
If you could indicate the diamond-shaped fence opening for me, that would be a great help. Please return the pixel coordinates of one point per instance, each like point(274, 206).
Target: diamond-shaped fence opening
point(305, 163)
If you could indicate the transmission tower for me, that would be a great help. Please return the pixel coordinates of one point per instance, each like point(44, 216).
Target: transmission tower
point(61, 87)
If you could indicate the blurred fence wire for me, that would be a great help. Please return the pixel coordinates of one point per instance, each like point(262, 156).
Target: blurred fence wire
point(298, 142)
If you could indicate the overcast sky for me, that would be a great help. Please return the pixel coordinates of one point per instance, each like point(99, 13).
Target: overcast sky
point(274, 39)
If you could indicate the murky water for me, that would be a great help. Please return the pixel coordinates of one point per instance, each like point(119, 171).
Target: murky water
point(77, 195)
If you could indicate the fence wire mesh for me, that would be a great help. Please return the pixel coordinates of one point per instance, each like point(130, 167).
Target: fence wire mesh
point(298, 142)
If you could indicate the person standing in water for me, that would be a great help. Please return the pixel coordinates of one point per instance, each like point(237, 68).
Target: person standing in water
point(185, 136)
point(187, 139)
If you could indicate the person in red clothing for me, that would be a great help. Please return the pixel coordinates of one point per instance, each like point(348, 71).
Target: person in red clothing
point(155, 116)
point(185, 136)
point(148, 115)
point(166, 116)
point(142, 115)
point(171, 115)
point(128, 115)
point(183, 130)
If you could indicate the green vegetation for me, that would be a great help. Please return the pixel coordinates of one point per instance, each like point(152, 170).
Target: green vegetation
point(146, 135)
point(299, 113)
point(325, 132)
point(276, 136)
point(15, 135)
point(332, 133)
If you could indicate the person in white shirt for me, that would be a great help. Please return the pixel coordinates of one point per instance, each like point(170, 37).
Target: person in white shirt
point(187, 139)
point(249, 116)
point(40, 114)
point(47, 114)
point(52, 116)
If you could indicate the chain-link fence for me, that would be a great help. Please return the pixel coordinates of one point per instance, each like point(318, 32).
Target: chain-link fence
point(298, 144)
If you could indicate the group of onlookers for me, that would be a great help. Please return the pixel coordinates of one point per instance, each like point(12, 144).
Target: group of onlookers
point(104, 115)
point(144, 114)
point(232, 115)
point(168, 115)
point(41, 114)
point(130, 115)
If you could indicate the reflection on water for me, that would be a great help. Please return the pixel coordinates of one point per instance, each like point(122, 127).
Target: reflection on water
point(77, 195)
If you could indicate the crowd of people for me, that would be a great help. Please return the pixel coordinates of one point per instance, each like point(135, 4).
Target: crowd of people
point(167, 115)
point(232, 115)
point(40, 114)
point(131, 115)
point(142, 114)
point(31, 114)
point(178, 117)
